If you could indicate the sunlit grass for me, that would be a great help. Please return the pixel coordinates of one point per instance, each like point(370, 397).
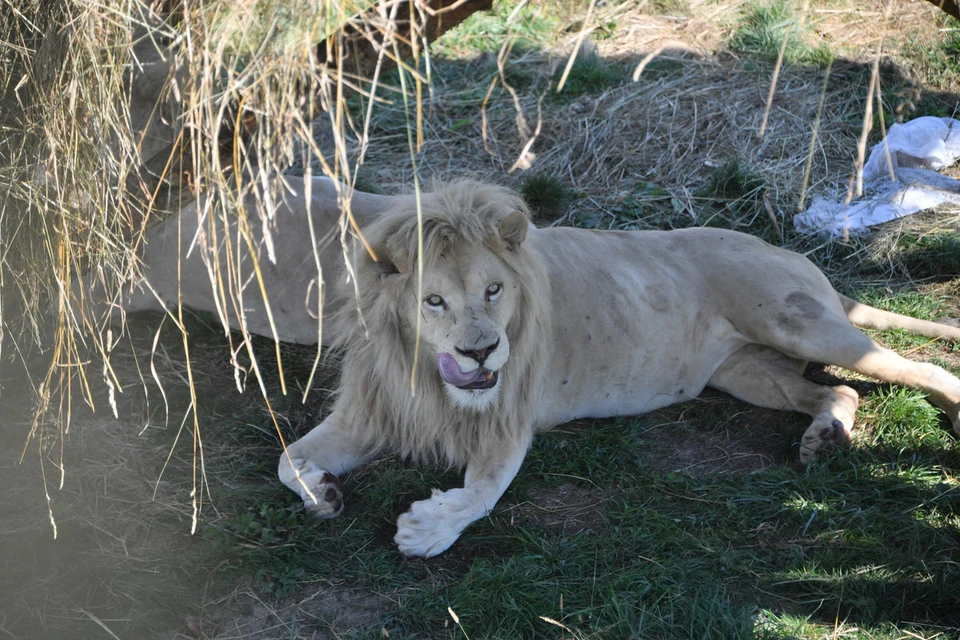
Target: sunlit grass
point(769, 25)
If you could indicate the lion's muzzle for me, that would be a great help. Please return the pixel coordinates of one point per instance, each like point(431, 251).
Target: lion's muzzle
point(450, 372)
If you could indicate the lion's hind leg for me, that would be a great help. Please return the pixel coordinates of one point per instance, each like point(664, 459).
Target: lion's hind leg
point(767, 378)
point(835, 341)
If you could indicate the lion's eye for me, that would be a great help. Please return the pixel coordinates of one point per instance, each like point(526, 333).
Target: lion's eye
point(434, 300)
point(494, 290)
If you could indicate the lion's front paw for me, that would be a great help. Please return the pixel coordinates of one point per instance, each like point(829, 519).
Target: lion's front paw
point(430, 526)
point(320, 489)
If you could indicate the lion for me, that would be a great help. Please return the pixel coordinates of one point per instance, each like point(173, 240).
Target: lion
point(192, 259)
point(517, 329)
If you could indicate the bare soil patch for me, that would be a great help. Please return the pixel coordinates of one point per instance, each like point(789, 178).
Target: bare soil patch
point(715, 435)
point(566, 510)
point(317, 613)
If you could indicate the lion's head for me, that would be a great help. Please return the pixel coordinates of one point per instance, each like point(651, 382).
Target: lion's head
point(469, 297)
point(478, 314)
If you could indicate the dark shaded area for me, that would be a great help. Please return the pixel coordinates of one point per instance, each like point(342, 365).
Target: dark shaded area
point(950, 7)
point(934, 256)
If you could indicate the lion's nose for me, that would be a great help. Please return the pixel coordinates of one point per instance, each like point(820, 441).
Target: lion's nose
point(479, 354)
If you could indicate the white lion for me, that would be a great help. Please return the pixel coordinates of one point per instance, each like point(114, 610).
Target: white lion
point(521, 329)
point(194, 259)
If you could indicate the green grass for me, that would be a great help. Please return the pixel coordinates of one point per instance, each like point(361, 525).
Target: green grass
point(546, 195)
point(930, 256)
point(918, 304)
point(861, 545)
point(590, 74)
point(765, 26)
point(732, 182)
point(486, 31)
point(906, 302)
point(866, 537)
point(937, 58)
point(903, 419)
point(646, 206)
point(951, 42)
point(733, 198)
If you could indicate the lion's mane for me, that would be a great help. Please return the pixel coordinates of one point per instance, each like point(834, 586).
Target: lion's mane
point(375, 395)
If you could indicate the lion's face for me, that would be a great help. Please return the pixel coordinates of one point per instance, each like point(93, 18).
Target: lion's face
point(469, 296)
point(475, 299)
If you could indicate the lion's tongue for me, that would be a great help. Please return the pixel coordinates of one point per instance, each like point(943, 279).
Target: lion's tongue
point(451, 373)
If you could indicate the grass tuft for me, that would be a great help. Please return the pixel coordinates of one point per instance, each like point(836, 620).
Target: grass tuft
point(902, 418)
point(546, 195)
point(932, 256)
point(764, 28)
point(732, 181)
point(590, 75)
point(733, 197)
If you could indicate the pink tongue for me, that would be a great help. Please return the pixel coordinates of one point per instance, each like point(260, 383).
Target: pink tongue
point(451, 373)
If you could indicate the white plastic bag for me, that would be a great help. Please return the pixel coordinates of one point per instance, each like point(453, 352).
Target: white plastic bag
point(899, 178)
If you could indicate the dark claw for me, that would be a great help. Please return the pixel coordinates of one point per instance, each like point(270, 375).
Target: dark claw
point(329, 478)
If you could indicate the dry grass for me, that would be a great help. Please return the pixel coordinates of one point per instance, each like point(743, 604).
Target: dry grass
point(689, 113)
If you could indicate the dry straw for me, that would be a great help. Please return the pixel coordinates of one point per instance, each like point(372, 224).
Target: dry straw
point(117, 113)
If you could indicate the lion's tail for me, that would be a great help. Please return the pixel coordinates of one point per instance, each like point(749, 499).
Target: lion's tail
point(868, 317)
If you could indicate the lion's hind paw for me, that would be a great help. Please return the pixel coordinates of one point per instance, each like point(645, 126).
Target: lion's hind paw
point(820, 435)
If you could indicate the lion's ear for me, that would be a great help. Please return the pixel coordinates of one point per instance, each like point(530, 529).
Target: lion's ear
point(383, 265)
point(513, 229)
